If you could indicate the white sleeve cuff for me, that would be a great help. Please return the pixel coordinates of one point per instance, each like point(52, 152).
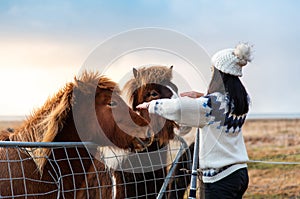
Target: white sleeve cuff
point(167, 108)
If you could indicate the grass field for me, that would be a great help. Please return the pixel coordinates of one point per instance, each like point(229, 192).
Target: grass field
point(268, 140)
point(276, 141)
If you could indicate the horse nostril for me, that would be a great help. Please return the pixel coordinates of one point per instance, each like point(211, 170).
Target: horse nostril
point(149, 133)
point(140, 142)
point(150, 136)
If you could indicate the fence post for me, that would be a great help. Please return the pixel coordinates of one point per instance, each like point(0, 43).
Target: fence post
point(193, 187)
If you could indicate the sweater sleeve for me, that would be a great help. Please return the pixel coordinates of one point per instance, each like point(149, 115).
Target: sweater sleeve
point(185, 110)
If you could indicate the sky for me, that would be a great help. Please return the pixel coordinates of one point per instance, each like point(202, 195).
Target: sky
point(43, 44)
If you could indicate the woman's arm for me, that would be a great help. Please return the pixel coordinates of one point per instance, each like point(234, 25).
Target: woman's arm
point(184, 110)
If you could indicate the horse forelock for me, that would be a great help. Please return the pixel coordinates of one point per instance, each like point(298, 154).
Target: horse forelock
point(147, 75)
point(107, 84)
point(88, 82)
point(153, 74)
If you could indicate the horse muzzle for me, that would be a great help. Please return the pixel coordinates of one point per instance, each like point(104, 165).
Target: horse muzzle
point(142, 143)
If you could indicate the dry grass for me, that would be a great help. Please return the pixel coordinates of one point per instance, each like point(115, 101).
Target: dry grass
point(278, 141)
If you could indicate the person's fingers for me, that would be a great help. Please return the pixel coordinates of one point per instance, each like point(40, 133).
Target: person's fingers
point(200, 94)
point(192, 94)
point(186, 94)
point(144, 105)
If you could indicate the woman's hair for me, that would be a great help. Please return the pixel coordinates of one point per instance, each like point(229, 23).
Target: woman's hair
point(234, 89)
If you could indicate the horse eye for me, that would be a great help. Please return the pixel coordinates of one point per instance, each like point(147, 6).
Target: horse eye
point(154, 94)
point(112, 104)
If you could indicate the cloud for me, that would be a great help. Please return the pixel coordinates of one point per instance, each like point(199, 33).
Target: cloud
point(50, 35)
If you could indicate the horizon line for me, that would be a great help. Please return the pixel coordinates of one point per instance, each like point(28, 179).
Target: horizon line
point(249, 116)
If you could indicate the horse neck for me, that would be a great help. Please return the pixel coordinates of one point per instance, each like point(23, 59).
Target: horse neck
point(69, 132)
point(82, 159)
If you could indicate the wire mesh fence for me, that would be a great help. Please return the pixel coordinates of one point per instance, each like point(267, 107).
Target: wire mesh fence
point(84, 170)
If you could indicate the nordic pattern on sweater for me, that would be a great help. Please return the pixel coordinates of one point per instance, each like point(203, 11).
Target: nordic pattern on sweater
point(232, 122)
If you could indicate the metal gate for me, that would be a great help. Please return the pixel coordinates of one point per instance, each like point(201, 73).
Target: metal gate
point(85, 170)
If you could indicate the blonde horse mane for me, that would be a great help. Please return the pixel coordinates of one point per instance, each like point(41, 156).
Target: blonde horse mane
point(44, 123)
point(146, 75)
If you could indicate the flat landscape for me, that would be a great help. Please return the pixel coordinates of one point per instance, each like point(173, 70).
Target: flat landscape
point(271, 141)
point(275, 140)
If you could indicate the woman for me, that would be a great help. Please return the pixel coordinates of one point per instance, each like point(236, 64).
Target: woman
point(220, 114)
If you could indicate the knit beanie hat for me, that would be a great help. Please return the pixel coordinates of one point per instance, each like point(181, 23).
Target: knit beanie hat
point(231, 61)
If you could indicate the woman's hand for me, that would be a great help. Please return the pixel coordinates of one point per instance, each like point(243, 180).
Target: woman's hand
point(191, 94)
point(144, 105)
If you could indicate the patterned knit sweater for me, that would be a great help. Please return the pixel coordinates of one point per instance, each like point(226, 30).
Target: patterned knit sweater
point(222, 147)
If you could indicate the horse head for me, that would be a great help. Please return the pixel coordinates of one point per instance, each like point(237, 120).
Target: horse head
point(103, 116)
point(150, 83)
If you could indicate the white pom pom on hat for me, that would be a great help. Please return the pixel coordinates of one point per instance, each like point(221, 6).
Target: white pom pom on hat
point(231, 61)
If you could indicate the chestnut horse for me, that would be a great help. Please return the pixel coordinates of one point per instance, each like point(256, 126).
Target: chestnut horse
point(60, 172)
point(150, 83)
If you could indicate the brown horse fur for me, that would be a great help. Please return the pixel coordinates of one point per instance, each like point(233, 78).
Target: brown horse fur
point(150, 83)
point(147, 79)
point(102, 182)
point(4, 135)
point(54, 122)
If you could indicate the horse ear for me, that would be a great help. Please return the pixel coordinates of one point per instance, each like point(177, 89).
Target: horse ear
point(135, 72)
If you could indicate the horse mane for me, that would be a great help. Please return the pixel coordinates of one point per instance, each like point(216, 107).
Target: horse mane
point(145, 75)
point(45, 122)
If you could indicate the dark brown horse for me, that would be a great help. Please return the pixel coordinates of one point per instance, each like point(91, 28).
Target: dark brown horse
point(60, 172)
point(150, 83)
